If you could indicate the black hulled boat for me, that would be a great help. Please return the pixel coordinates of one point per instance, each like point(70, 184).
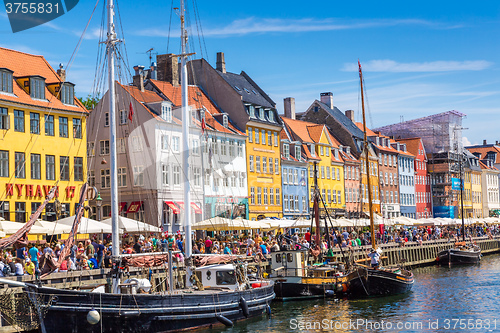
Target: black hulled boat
point(460, 253)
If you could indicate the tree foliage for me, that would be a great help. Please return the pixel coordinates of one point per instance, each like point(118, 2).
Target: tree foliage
point(90, 101)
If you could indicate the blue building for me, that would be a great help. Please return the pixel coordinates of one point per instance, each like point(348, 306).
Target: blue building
point(294, 177)
point(406, 174)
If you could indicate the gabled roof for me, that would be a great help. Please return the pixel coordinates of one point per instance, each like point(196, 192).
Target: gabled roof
point(380, 147)
point(24, 65)
point(200, 100)
point(484, 150)
point(138, 96)
point(343, 119)
point(304, 131)
point(413, 145)
point(250, 92)
point(307, 152)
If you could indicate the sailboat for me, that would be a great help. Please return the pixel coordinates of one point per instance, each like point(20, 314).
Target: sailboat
point(370, 281)
point(295, 280)
point(222, 293)
point(461, 252)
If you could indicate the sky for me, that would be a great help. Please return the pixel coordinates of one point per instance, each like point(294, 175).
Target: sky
point(419, 58)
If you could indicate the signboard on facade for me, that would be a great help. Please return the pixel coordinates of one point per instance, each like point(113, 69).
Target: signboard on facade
point(455, 184)
point(444, 211)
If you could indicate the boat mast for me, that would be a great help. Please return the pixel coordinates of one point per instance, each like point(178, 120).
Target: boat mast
point(367, 162)
point(461, 156)
point(316, 205)
point(186, 119)
point(110, 45)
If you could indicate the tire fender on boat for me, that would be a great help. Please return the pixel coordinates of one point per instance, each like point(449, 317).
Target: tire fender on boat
point(268, 310)
point(244, 307)
point(224, 320)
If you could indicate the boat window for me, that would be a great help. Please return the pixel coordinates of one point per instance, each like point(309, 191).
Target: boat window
point(225, 277)
point(289, 257)
point(278, 257)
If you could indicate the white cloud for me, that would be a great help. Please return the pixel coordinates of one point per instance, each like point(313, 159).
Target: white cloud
point(466, 141)
point(256, 25)
point(432, 66)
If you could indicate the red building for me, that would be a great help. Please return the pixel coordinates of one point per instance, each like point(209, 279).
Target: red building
point(423, 196)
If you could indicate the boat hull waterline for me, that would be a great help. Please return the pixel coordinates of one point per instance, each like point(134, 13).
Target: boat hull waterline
point(458, 256)
point(150, 313)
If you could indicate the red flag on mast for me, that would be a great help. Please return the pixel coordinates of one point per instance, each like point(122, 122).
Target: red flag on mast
point(130, 112)
point(203, 126)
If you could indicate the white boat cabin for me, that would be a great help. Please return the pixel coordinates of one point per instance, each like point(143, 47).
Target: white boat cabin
point(288, 263)
point(218, 276)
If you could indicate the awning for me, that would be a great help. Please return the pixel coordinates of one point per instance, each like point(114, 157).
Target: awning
point(181, 204)
point(121, 207)
point(134, 206)
point(197, 210)
point(173, 207)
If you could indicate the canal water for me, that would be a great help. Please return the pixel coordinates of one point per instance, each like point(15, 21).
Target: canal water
point(443, 299)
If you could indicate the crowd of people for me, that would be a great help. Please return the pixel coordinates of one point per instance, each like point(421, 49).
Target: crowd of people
point(96, 253)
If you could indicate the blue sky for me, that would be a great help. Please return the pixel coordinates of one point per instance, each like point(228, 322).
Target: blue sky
point(419, 58)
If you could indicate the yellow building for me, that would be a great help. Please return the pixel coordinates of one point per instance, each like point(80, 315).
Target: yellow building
point(42, 138)
point(263, 165)
point(467, 201)
point(374, 181)
point(322, 151)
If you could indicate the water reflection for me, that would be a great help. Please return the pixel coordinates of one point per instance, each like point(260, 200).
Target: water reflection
point(440, 294)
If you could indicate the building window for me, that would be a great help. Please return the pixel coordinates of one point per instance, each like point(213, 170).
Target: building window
point(257, 135)
point(175, 144)
point(285, 177)
point(104, 147)
point(35, 166)
point(252, 195)
point(257, 163)
point(4, 118)
point(105, 178)
point(37, 88)
point(166, 112)
point(34, 123)
point(286, 150)
point(271, 195)
point(271, 170)
point(250, 162)
point(298, 152)
point(250, 135)
point(106, 119)
point(304, 204)
point(49, 125)
point(63, 127)
point(290, 177)
point(276, 139)
point(4, 163)
point(120, 146)
point(240, 149)
point(323, 172)
point(136, 143)
point(91, 178)
point(123, 117)
point(138, 175)
point(242, 179)
point(278, 200)
point(262, 114)
point(20, 165)
point(177, 175)
point(197, 176)
point(67, 93)
point(223, 147)
point(78, 167)
point(50, 167)
point(6, 81)
point(4, 210)
point(64, 167)
point(77, 128)
point(225, 121)
point(277, 166)
point(266, 197)
point(122, 177)
point(263, 137)
point(259, 195)
point(285, 203)
point(18, 121)
point(164, 142)
point(196, 147)
point(297, 203)
point(20, 212)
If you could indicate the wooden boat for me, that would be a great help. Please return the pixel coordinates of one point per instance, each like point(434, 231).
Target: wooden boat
point(460, 253)
point(364, 280)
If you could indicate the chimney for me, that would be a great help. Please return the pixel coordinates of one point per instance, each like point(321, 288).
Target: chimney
point(168, 68)
point(153, 71)
point(484, 142)
point(350, 114)
point(138, 79)
point(62, 73)
point(327, 98)
point(289, 107)
point(221, 63)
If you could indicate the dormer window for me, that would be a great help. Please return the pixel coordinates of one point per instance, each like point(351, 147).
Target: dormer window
point(262, 113)
point(286, 150)
point(166, 112)
point(313, 151)
point(225, 121)
point(6, 80)
point(271, 116)
point(68, 93)
point(251, 111)
point(37, 87)
point(298, 152)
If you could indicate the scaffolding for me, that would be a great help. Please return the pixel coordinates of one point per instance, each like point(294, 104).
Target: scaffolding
point(441, 135)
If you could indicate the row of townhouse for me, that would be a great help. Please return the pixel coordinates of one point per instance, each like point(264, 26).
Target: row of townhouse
point(245, 159)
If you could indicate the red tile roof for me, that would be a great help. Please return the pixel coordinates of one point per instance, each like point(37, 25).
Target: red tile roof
point(24, 64)
point(197, 98)
point(304, 131)
point(484, 151)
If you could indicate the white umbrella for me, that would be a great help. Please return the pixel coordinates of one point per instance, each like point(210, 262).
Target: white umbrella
point(53, 228)
point(87, 226)
point(262, 224)
point(212, 224)
point(9, 228)
point(130, 225)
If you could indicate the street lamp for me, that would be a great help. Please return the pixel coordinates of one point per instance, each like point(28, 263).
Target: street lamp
point(98, 202)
